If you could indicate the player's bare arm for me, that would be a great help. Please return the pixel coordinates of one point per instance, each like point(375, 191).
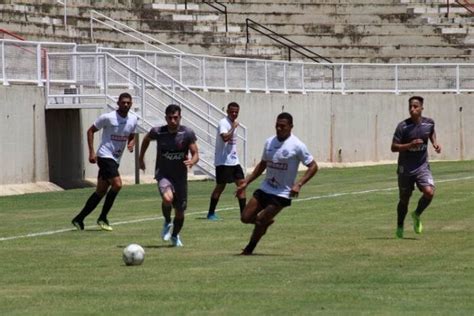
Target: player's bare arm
point(131, 142)
point(257, 171)
point(144, 147)
point(404, 147)
point(310, 172)
point(436, 146)
point(228, 136)
point(90, 143)
point(193, 148)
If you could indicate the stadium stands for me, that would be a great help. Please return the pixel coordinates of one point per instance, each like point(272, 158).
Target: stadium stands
point(344, 31)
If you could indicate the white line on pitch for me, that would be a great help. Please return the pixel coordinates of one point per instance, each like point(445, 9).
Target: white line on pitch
point(53, 232)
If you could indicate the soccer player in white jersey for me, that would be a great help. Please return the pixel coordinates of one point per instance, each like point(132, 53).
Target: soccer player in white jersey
point(410, 140)
point(281, 157)
point(118, 132)
point(226, 160)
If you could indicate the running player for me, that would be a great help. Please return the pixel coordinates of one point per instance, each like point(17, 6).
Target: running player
point(411, 142)
point(174, 142)
point(118, 131)
point(281, 157)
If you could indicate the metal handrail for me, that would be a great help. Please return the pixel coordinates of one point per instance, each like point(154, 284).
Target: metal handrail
point(224, 10)
point(290, 48)
point(171, 48)
point(469, 6)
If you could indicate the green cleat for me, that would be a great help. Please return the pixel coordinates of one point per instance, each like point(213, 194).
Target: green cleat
point(417, 225)
point(399, 232)
point(104, 225)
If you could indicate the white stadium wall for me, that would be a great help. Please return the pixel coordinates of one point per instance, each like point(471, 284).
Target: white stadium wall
point(339, 129)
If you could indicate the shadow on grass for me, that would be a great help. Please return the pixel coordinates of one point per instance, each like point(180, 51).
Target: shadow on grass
point(391, 238)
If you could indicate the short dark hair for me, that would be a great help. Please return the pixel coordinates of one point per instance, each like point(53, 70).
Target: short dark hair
point(172, 108)
point(233, 104)
point(124, 95)
point(285, 116)
point(420, 99)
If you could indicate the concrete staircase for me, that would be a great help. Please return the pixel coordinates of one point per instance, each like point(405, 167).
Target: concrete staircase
point(341, 30)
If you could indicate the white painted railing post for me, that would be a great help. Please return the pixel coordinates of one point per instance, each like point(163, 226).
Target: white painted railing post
point(458, 80)
point(285, 89)
point(204, 86)
point(303, 89)
point(247, 90)
point(397, 91)
point(343, 88)
point(4, 73)
point(38, 65)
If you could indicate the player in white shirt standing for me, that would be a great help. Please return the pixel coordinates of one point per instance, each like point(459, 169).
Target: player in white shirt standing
point(118, 131)
point(281, 156)
point(226, 160)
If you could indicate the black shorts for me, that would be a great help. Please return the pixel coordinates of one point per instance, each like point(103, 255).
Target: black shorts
point(266, 199)
point(229, 174)
point(108, 168)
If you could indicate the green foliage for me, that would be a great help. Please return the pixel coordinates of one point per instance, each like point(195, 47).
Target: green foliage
point(332, 252)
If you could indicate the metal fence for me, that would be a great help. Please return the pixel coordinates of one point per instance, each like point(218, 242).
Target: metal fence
point(250, 75)
point(82, 80)
point(25, 62)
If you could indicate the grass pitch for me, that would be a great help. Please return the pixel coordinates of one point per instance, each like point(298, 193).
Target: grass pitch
point(333, 251)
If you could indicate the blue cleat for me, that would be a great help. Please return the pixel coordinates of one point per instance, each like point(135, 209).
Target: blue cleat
point(176, 242)
point(213, 217)
point(167, 231)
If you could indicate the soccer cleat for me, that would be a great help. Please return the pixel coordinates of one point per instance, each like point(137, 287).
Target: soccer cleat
point(213, 217)
point(399, 232)
point(246, 252)
point(104, 225)
point(78, 224)
point(176, 242)
point(417, 225)
point(167, 231)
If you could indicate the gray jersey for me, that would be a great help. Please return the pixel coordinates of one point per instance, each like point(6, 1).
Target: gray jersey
point(172, 151)
point(413, 160)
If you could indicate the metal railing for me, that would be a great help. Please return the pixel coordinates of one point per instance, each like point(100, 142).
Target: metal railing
point(255, 75)
point(467, 4)
point(98, 75)
point(222, 8)
point(23, 62)
point(129, 32)
point(289, 44)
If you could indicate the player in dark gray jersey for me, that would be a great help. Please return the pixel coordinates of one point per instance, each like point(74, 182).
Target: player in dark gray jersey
point(411, 142)
point(174, 142)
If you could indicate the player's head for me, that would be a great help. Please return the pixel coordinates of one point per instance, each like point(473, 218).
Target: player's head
point(283, 126)
point(233, 110)
point(124, 103)
point(415, 106)
point(173, 116)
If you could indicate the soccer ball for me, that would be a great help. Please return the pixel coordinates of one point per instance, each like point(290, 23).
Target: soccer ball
point(133, 255)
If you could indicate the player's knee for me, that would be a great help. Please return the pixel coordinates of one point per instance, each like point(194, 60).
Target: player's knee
point(247, 219)
point(429, 193)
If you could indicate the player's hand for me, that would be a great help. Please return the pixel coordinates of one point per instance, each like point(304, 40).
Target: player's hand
point(416, 142)
point(295, 190)
point(141, 162)
point(189, 164)
point(92, 158)
point(235, 124)
point(437, 148)
point(241, 188)
point(130, 147)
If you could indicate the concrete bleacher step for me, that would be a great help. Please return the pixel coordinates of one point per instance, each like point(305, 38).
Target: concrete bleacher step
point(345, 29)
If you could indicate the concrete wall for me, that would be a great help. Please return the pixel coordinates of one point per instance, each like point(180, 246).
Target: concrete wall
point(336, 128)
point(23, 150)
point(354, 128)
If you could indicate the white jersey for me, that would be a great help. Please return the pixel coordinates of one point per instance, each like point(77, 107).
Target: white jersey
point(226, 152)
point(282, 160)
point(116, 130)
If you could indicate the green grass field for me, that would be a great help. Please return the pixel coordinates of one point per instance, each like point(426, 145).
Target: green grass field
point(332, 252)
